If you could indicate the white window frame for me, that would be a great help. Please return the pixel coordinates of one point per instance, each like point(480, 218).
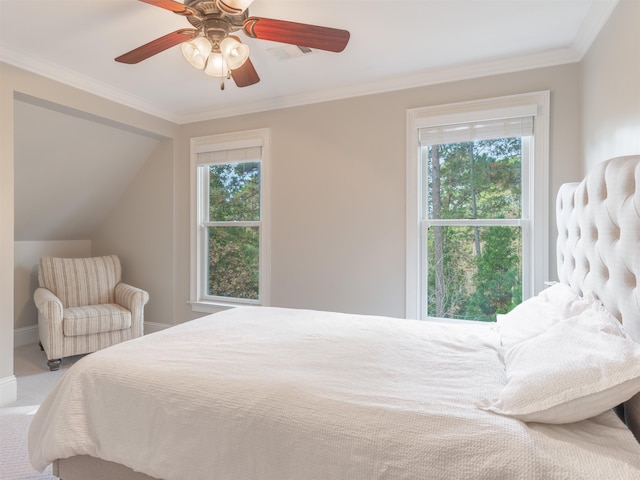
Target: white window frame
point(212, 143)
point(535, 225)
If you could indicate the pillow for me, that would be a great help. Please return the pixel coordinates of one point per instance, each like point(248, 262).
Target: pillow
point(537, 314)
point(579, 368)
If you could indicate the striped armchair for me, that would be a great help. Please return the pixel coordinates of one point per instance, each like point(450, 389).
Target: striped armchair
point(83, 306)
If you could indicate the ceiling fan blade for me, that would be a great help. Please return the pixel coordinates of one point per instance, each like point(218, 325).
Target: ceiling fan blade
point(158, 45)
point(245, 75)
point(312, 36)
point(175, 7)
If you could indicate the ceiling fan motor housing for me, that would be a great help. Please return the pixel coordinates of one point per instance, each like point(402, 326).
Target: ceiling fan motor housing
point(214, 23)
point(216, 20)
point(204, 12)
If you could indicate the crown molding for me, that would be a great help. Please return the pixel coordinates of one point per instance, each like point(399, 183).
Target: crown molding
point(597, 16)
point(70, 78)
point(599, 13)
point(421, 79)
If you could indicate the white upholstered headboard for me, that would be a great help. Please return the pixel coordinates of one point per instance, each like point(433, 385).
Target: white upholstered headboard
point(598, 244)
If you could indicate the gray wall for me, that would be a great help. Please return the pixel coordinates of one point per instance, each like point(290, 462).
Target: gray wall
point(611, 88)
point(338, 183)
point(140, 230)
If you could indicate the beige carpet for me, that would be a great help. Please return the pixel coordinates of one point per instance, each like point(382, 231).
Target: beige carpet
point(34, 382)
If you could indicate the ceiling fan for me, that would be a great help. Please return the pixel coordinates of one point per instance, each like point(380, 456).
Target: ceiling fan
point(211, 46)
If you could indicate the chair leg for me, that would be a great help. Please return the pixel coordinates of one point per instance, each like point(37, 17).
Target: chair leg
point(54, 364)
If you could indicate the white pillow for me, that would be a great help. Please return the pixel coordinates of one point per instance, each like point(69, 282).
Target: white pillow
point(537, 314)
point(561, 297)
point(579, 368)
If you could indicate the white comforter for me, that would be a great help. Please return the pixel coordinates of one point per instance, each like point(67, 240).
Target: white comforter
point(278, 394)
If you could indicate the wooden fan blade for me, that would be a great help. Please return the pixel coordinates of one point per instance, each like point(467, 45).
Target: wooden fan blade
point(312, 36)
point(158, 45)
point(175, 7)
point(245, 75)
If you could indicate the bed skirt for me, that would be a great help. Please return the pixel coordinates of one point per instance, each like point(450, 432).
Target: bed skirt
point(82, 467)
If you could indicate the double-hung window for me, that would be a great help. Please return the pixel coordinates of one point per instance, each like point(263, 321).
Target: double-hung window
point(476, 206)
point(231, 219)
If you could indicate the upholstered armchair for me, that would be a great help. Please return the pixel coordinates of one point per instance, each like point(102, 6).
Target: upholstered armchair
point(83, 306)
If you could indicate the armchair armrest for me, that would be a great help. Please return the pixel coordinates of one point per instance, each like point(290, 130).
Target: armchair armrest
point(48, 304)
point(50, 312)
point(131, 297)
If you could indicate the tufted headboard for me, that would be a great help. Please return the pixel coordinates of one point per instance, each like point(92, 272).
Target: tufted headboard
point(598, 245)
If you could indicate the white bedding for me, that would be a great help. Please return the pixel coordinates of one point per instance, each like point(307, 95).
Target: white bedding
point(279, 394)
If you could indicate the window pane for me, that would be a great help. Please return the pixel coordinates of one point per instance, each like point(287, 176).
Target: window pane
point(234, 262)
point(234, 191)
point(474, 272)
point(480, 179)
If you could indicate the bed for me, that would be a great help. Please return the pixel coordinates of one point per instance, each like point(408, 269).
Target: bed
point(281, 394)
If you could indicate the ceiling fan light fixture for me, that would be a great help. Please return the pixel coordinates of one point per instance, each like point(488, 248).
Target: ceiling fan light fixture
point(234, 52)
point(197, 51)
point(233, 7)
point(216, 65)
point(209, 46)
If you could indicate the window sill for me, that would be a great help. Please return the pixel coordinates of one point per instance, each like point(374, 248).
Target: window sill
point(214, 307)
point(210, 307)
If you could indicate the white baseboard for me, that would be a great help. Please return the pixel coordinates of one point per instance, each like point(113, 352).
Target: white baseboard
point(8, 390)
point(27, 335)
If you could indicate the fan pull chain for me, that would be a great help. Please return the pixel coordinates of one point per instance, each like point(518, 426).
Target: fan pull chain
point(222, 72)
point(222, 81)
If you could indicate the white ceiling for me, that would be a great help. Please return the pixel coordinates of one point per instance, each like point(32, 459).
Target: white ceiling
point(394, 44)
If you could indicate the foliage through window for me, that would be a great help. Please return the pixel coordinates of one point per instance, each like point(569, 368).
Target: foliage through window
point(474, 267)
point(233, 230)
point(231, 224)
point(477, 196)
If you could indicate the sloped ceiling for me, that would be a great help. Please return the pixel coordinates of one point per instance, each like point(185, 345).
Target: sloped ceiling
point(70, 171)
